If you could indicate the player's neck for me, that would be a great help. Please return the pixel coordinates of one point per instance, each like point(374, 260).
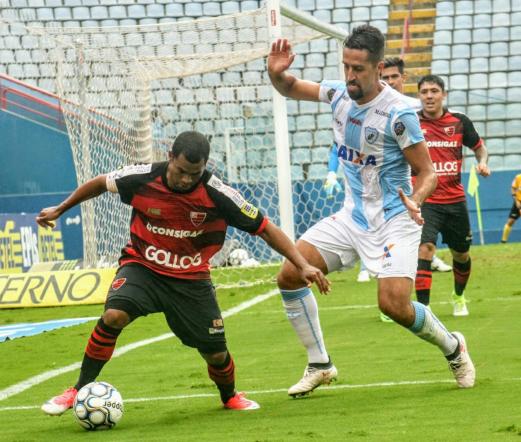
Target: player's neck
point(370, 97)
point(433, 115)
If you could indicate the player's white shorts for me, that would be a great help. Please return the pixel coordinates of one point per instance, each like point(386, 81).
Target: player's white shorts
point(389, 251)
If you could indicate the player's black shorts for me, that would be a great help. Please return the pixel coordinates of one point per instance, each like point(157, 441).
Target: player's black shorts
point(451, 220)
point(514, 212)
point(190, 306)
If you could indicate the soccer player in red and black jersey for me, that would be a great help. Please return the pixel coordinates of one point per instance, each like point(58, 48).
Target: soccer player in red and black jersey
point(179, 220)
point(445, 211)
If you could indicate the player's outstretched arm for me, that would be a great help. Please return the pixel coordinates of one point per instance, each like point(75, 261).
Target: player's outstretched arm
point(86, 191)
point(280, 242)
point(279, 60)
point(418, 158)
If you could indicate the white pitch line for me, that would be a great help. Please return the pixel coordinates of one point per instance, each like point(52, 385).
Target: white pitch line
point(276, 390)
point(38, 379)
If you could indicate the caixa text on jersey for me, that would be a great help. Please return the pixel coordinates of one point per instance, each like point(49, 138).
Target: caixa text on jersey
point(353, 156)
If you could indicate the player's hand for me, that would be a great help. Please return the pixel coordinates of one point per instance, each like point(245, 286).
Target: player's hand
point(332, 185)
point(280, 57)
point(310, 275)
point(483, 169)
point(47, 215)
point(413, 207)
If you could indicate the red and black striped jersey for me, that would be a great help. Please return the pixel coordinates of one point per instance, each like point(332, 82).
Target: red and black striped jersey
point(176, 233)
point(445, 138)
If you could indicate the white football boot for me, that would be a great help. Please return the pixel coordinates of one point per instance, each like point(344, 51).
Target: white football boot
point(462, 367)
point(313, 377)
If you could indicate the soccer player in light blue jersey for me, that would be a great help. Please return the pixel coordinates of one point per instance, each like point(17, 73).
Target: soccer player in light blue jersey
point(379, 140)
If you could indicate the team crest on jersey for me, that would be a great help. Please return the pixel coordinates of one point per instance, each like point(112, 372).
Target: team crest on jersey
point(399, 128)
point(197, 218)
point(450, 131)
point(371, 135)
point(117, 283)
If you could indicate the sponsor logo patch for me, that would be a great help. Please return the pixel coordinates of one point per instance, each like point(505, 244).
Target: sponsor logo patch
point(249, 210)
point(197, 218)
point(330, 94)
point(387, 251)
point(399, 128)
point(153, 211)
point(117, 283)
point(218, 323)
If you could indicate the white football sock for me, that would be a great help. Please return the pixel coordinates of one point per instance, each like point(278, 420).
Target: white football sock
point(302, 311)
point(429, 328)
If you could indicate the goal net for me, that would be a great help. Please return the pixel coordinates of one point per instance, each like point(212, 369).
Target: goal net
point(127, 91)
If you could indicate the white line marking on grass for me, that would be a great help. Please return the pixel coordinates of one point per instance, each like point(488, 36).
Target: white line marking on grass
point(38, 379)
point(276, 390)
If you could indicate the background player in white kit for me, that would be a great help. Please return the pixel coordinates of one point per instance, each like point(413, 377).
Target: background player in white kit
point(379, 139)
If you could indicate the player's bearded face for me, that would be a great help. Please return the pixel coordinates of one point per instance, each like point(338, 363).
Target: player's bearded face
point(182, 175)
point(360, 73)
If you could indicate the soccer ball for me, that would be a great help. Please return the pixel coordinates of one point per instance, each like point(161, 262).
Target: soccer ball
point(237, 257)
point(98, 406)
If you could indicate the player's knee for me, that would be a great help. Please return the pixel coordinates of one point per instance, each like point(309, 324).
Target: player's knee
point(116, 318)
point(287, 277)
point(215, 358)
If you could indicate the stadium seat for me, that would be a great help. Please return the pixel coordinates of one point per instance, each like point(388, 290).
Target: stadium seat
point(479, 64)
point(481, 35)
point(503, 5)
point(482, 21)
point(514, 63)
point(134, 39)
point(155, 10)
point(444, 23)
point(317, 171)
point(99, 12)
point(31, 70)
point(379, 13)
point(515, 47)
point(478, 81)
point(495, 146)
point(320, 154)
point(440, 67)
point(176, 9)
point(457, 98)
point(515, 32)
point(15, 70)
point(305, 122)
point(513, 145)
point(500, 33)
point(512, 161)
point(497, 95)
point(118, 12)
point(360, 14)
point(462, 22)
point(495, 162)
point(300, 156)
point(297, 173)
point(477, 112)
point(513, 110)
point(516, 6)
point(444, 8)
point(495, 129)
point(483, 6)
point(62, 14)
point(513, 79)
point(440, 51)
point(230, 7)
point(153, 38)
point(464, 7)
point(499, 48)
point(499, 63)
point(496, 111)
point(458, 82)
point(459, 66)
point(136, 11)
point(341, 15)
point(44, 14)
point(480, 50)
point(462, 36)
point(194, 9)
point(515, 19)
point(380, 24)
point(498, 79)
point(444, 38)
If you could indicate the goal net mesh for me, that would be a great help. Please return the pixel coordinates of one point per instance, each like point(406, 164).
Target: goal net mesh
point(127, 91)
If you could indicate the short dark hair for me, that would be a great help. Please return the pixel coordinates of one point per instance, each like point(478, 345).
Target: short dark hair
point(395, 61)
point(193, 145)
point(432, 79)
point(368, 38)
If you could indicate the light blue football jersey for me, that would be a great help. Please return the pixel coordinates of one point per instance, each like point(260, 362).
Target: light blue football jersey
point(370, 140)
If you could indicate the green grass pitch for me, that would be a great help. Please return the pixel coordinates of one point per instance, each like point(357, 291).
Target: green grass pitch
point(391, 387)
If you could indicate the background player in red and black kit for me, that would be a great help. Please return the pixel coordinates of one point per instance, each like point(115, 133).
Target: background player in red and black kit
point(445, 211)
point(179, 220)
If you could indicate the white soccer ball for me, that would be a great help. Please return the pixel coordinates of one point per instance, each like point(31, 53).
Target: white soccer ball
point(98, 406)
point(237, 257)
